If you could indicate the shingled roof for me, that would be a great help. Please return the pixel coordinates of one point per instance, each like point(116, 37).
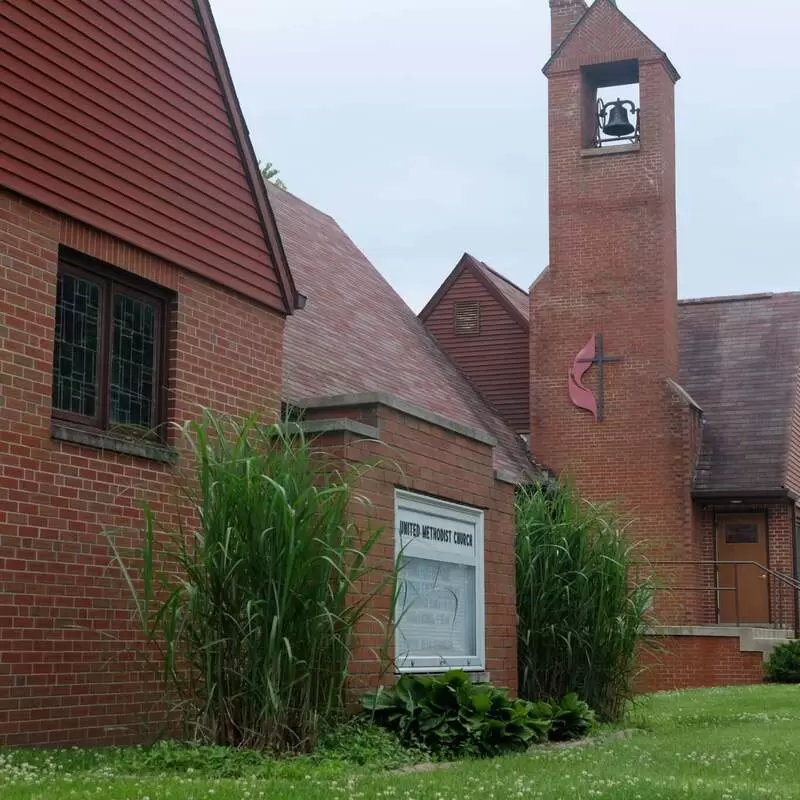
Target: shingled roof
point(518, 297)
point(740, 360)
point(357, 335)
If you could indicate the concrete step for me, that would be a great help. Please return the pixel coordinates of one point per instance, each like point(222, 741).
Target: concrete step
point(763, 640)
point(751, 639)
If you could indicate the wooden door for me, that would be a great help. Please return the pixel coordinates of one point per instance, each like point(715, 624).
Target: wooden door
point(742, 537)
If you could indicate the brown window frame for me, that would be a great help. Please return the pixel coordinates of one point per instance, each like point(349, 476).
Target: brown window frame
point(114, 281)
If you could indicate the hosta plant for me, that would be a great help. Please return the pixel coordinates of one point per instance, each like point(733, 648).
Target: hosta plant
point(452, 716)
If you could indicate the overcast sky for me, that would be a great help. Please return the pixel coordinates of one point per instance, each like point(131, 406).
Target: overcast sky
point(420, 125)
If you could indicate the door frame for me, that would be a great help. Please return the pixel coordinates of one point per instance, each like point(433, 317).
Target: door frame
point(743, 511)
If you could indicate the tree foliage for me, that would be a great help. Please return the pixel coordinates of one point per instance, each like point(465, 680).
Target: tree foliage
point(269, 172)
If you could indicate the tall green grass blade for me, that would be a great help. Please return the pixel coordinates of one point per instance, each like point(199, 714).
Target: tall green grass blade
point(255, 600)
point(581, 614)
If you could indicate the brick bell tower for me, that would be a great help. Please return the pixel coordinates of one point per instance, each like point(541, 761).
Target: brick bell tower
point(606, 408)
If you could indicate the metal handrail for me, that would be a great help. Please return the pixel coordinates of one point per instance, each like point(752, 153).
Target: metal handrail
point(788, 580)
point(773, 577)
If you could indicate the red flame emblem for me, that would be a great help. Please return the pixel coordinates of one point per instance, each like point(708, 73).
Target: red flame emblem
point(580, 395)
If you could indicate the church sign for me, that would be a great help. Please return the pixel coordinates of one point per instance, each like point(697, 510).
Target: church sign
point(440, 602)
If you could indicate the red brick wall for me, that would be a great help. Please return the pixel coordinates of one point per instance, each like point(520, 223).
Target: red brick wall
point(496, 359)
point(705, 534)
point(564, 15)
point(783, 599)
point(613, 271)
point(693, 662)
point(422, 457)
point(65, 673)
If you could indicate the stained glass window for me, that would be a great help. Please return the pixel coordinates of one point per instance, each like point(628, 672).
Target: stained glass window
point(77, 346)
point(108, 339)
point(133, 361)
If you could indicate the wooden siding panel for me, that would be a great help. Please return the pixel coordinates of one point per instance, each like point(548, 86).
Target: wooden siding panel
point(496, 359)
point(119, 132)
point(39, 108)
point(128, 187)
point(83, 183)
point(113, 114)
point(139, 60)
point(77, 57)
point(793, 461)
point(143, 23)
point(115, 225)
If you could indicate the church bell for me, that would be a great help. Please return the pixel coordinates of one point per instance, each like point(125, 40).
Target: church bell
point(618, 123)
point(614, 121)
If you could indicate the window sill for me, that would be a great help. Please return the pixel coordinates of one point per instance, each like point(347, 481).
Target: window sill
point(106, 441)
point(613, 150)
point(475, 674)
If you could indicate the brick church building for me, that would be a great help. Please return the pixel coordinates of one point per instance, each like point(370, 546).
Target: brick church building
point(686, 414)
point(145, 274)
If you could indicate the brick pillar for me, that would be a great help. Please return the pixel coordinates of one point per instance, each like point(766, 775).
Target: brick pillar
point(564, 16)
point(783, 599)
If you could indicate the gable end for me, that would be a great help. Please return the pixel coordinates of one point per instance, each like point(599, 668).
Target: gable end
point(122, 116)
point(469, 263)
point(573, 52)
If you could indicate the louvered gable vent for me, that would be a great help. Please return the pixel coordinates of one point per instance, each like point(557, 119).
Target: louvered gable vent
point(467, 317)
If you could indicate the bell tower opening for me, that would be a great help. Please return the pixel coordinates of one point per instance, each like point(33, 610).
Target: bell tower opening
point(610, 104)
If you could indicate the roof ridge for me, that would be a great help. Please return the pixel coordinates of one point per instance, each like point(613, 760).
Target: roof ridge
point(503, 277)
point(483, 273)
point(735, 298)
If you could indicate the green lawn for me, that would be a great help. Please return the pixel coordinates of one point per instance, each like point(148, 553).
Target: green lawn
point(723, 744)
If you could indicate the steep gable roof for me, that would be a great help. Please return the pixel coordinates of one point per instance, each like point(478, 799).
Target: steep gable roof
point(740, 359)
point(604, 34)
point(508, 294)
point(123, 116)
point(356, 335)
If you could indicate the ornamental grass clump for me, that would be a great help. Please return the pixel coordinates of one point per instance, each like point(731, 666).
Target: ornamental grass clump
point(581, 610)
point(253, 604)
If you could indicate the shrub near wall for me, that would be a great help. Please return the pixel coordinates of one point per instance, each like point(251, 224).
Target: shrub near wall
point(579, 616)
point(783, 665)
